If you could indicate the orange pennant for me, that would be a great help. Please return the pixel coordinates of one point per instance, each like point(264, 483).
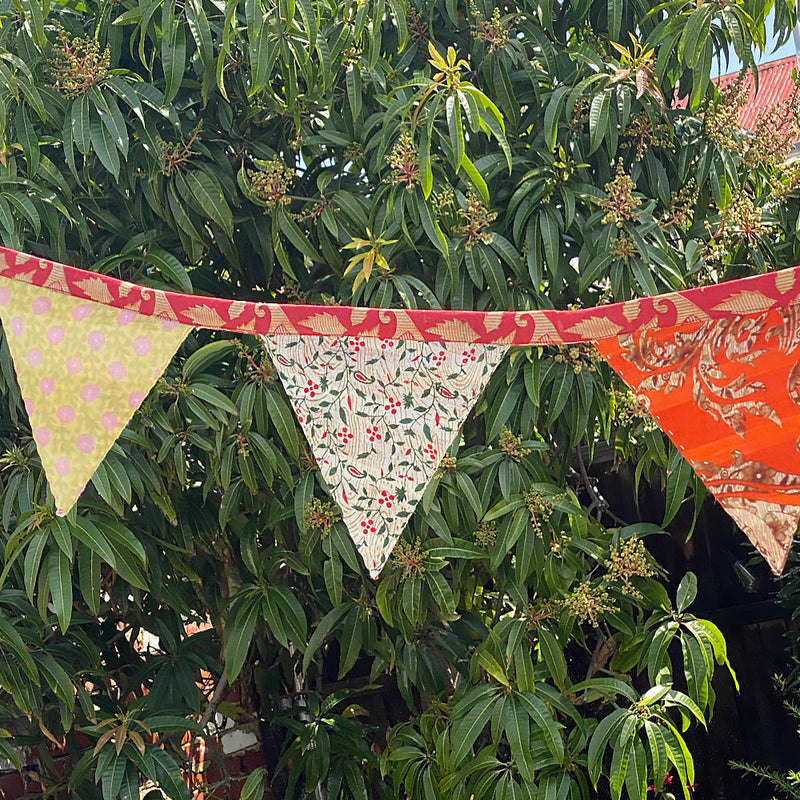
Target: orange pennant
point(727, 392)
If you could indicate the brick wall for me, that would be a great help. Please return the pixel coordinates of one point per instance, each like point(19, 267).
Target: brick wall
point(219, 767)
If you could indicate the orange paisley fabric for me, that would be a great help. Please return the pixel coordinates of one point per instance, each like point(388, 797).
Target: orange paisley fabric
point(727, 392)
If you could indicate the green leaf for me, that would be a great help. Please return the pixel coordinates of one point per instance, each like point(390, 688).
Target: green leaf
point(560, 393)
point(425, 169)
point(675, 698)
point(129, 790)
point(687, 591)
point(541, 717)
point(62, 533)
point(500, 412)
point(165, 723)
point(695, 670)
point(695, 33)
point(455, 130)
point(255, 785)
point(293, 615)
point(24, 207)
point(293, 233)
point(441, 592)
point(283, 420)
point(173, 58)
point(56, 677)
point(601, 736)
point(60, 578)
point(468, 491)
point(238, 632)
point(210, 198)
point(28, 139)
point(322, 631)
point(126, 93)
point(702, 628)
point(33, 559)
point(552, 112)
point(606, 687)
point(598, 119)
point(12, 642)
point(551, 239)
point(104, 146)
point(120, 536)
point(206, 356)
point(678, 476)
point(466, 729)
point(517, 728)
point(636, 772)
point(657, 650)
point(553, 654)
point(492, 666)
point(112, 120)
point(201, 31)
point(89, 564)
point(85, 531)
point(81, 124)
point(412, 601)
point(353, 83)
point(214, 397)
point(658, 752)
point(168, 774)
point(34, 16)
point(170, 267)
point(614, 22)
point(350, 641)
point(431, 226)
point(477, 179)
point(309, 14)
point(333, 574)
point(460, 548)
point(113, 776)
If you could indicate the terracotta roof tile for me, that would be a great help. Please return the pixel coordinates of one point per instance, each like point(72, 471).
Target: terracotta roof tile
point(774, 85)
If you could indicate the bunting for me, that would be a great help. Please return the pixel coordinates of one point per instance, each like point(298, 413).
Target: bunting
point(83, 370)
point(379, 415)
point(381, 393)
point(728, 394)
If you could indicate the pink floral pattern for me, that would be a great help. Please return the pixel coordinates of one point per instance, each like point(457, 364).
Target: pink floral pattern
point(379, 415)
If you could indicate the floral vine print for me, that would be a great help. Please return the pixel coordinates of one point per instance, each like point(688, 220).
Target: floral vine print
point(379, 415)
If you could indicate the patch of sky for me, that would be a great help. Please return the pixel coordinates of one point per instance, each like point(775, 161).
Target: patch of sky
point(772, 52)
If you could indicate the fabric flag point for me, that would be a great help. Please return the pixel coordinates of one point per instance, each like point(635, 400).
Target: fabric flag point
point(379, 415)
point(83, 369)
point(727, 392)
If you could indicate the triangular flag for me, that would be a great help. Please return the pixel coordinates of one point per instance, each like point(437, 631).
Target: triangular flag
point(83, 369)
point(379, 415)
point(727, 392)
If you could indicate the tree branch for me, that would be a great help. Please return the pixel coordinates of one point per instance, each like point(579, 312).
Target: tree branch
point(215, 700)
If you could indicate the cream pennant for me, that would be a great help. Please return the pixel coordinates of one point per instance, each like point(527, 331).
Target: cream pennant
point(379, 415)
point(83, 369)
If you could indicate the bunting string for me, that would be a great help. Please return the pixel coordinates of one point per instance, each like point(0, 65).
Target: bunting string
point(540, 327)
point(381, 393)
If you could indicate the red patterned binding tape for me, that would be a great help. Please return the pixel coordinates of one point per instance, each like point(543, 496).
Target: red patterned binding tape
point(686, 308)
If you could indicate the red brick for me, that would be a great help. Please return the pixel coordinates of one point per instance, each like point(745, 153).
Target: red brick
point(234, 765)
point(11, 786)
point(211, 772)
point(251, 760)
